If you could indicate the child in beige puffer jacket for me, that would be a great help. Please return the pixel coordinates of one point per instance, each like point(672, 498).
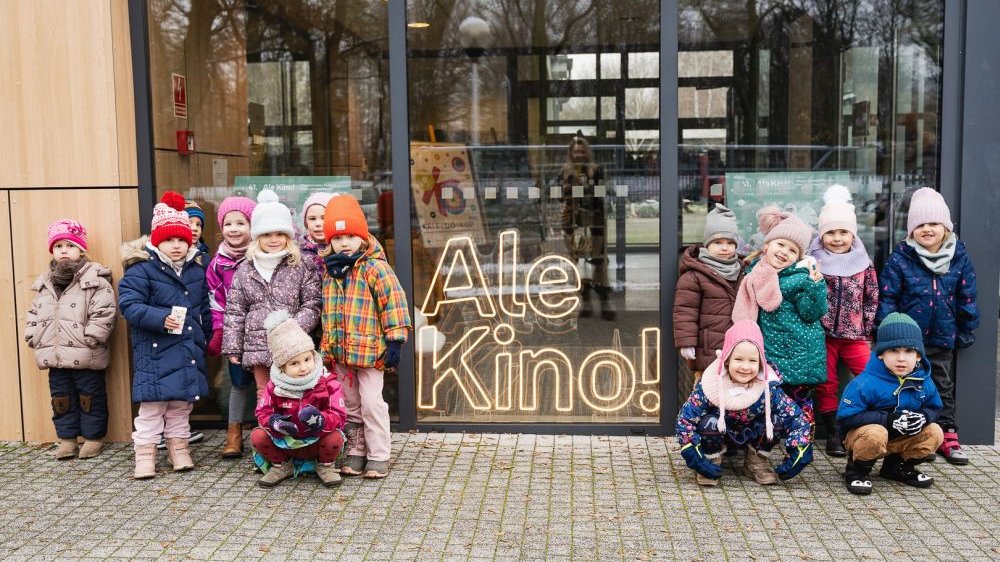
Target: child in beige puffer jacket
point(69, 325)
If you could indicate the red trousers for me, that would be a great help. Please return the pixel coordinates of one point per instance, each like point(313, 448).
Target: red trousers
point(326, 450)
point(854, 354)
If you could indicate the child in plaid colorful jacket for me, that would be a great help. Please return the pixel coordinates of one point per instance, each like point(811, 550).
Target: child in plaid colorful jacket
point(365, 323)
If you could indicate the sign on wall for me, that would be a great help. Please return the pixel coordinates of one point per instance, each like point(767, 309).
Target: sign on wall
point(178, 85)
point(444, 194)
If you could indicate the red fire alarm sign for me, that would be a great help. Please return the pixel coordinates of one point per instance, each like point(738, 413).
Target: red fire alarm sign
point(179, 86)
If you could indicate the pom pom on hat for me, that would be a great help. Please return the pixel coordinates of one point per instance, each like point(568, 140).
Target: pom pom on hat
point(243, 205)
point(170, 220)
point(285, 338)
point(927, 205)
point(775, 224)
point(837, 212)
point(69, 230)
point(270, 216)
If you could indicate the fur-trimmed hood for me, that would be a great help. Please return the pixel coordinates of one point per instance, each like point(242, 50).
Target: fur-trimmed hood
point(135, 251)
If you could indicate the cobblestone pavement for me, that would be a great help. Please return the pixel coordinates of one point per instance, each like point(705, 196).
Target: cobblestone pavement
point(488, 497)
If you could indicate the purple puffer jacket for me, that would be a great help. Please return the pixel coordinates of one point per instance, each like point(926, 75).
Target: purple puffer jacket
point(310, 253)
point(295, 288)
point(219, 276)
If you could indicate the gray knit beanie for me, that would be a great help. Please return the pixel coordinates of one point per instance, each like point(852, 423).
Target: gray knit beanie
point(721, 223)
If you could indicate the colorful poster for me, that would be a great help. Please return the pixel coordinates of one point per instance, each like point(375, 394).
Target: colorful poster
point(444, 194)
point(798, 192)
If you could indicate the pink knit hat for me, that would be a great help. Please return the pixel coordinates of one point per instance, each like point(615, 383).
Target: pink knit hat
point(741, 331)
point(837, 211)
point(926, 206)
point(244, 205)
point(775, 224)
point(170, 220)
point(320, 199)
point(68, 229)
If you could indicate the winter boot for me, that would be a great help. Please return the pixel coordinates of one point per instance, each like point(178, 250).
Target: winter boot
point(951, 450)
point(66, 449)
point(716, 458)
point(834, 447)
point(145, 461)
point(757, 467)
point(276, 474)
point(91, 448)
point(856, 477)
point(328, 474)
point(234, 441)
point(895, 468)
point(179, 455)
point(353, 464)
point(376, 469)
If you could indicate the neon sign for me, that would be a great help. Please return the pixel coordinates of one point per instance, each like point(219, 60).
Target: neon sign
point(606, 381)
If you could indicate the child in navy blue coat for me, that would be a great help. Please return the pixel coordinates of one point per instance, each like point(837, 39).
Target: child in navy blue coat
point(164, 297)
point(930, 277)
point(889, 410)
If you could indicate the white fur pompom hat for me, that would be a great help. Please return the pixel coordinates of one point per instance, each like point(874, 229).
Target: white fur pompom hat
point(270, 216)
point(837, 211)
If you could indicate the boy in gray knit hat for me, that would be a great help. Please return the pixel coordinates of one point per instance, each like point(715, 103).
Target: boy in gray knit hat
point(706, 290)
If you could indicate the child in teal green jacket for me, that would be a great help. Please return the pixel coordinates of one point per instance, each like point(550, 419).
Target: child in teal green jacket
point(787, 298)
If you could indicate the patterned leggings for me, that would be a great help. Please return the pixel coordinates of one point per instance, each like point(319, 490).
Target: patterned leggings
point(802, 395)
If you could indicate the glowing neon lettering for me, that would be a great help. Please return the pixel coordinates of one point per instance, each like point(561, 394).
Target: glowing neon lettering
point(545, 360)
point(466, 380)
point(464, 250)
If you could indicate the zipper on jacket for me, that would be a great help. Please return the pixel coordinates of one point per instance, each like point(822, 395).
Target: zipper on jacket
point(836, 317)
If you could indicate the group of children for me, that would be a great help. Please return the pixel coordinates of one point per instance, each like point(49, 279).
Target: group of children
point(262, 302)
point(765, 335)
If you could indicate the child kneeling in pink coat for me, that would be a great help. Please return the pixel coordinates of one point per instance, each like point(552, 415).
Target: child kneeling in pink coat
point(301, 411)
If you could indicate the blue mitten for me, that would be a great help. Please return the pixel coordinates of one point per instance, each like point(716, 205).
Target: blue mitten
point(283, 424)
point(798, 458)
point(311, 417)
point(392, 353)
point(700, 463)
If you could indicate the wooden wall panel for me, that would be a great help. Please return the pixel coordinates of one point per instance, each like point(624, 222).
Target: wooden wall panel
point(10, 384)
point(31, 212)
point(58, 85)
point(124, 94)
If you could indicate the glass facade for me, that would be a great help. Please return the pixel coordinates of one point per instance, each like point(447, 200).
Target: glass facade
point(533, 131)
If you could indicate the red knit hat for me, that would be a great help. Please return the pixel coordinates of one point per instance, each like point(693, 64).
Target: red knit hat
point(170, 220)
point(344, 216)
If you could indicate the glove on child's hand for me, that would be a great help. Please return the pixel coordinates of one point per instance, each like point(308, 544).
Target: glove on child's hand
point(311, 417)
point(283, 424)
point(915, 422)
point(215, 344)
point(700, 463)
point(965, 340)
point(393, 353)
point(897, 422)
point(798, 458)
point(688, 353)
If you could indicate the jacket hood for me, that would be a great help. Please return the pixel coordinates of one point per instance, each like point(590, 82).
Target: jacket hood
point(375, 250)
point(134, 251)
point(88, 276)
point(690, 262)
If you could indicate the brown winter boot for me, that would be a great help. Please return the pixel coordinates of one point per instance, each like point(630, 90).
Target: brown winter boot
point(704, 480)
point(757, 467)
point(66, 449)
point(145, 461)
point(234, 441)
point(91, 448)
point(328, 474)
point(178, 454)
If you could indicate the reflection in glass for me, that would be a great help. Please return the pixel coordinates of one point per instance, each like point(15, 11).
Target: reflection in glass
point(536, 225)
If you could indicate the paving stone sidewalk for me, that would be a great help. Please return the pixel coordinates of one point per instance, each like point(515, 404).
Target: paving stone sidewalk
point(488, 497)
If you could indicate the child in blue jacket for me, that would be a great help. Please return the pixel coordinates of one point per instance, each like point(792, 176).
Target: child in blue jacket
point(889, 410)
point(162, 275)
point(739, 403)
point(930, 277)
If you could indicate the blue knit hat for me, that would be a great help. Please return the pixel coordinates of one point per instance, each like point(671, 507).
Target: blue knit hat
point(899, 330)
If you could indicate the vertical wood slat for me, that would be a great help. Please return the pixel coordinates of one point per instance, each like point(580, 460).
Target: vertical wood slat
point(10, 384)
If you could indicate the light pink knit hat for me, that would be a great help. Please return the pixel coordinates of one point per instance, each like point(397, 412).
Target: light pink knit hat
point(70, 230)
point(320, 199)
point(837, 211)
point(741, 331)
point(926, 206)
point(243, 205)
point(775, 224)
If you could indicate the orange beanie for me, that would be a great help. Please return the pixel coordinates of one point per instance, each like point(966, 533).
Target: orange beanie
point(344, 216)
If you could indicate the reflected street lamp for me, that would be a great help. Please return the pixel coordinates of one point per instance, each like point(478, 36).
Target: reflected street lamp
point(474, 35)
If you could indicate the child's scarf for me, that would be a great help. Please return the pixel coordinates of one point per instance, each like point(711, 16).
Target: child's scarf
point(295, 387)
point(265, 264)
point(938, 262)
point(337, 265)
point(759, 289)
point(848, 264)
point(236, 254)
point(728, 269)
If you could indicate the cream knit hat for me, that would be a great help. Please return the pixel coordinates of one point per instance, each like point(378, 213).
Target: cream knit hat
point(285, 339)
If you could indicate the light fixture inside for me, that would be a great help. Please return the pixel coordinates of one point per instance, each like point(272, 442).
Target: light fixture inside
point(418, 24)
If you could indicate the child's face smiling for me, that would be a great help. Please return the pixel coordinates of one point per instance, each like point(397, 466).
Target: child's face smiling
point(838, 241)
point(235, 229)
point(346, 244)
point(314, 222)
point(272, 242)
point(900, 360)
point(174, 248)
point(722, 248)
point(300, 365)
point(65, 250)
point(744, 362)
point(195, 228)
point(780, 253)
point(930, 235)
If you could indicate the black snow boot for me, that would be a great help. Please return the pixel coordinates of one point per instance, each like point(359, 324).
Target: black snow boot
point(895, 468)
point(856, 477)
point(834, 447)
